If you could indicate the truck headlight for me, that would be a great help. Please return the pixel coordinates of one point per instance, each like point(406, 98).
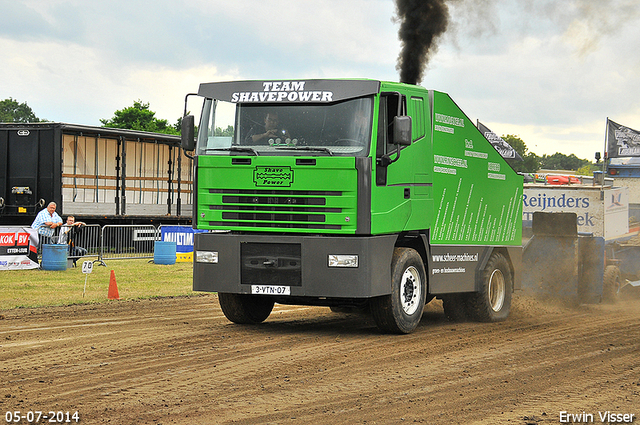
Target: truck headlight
point(207, 257)
point(343, 260)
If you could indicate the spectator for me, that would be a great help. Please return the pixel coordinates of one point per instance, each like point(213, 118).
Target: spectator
point(68, 234)
point(47, 220)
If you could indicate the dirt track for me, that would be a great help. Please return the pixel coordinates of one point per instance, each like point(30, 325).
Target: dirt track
point(179, 361)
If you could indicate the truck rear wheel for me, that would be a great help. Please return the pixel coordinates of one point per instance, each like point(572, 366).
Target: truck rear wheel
point(492, 302)
point(611, 284)
point(401, 311)
point(245, 309)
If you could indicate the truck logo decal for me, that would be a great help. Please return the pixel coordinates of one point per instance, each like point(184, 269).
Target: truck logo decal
point(23, 132)
point(273, 176)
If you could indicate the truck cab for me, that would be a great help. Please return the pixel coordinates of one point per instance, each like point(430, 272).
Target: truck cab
point(349, 193)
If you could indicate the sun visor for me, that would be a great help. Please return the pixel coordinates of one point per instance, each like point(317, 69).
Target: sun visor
point(299, 91)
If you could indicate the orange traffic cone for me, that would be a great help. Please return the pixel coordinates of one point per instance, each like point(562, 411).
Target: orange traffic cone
point(113, 287)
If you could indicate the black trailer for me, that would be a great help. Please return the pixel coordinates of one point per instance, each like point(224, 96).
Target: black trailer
point(104, 175)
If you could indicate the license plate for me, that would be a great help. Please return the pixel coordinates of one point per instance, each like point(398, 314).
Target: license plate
point(270, 290)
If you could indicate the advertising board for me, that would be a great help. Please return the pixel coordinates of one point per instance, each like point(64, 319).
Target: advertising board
point(605, 215)
point(18, 248)
point(183, 237)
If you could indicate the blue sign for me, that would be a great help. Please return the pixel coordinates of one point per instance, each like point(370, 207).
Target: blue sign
point(181, 235)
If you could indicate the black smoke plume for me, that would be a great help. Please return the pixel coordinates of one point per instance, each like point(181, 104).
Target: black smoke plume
point(421, 22)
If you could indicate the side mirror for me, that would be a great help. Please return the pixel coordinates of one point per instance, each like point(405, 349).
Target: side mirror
point(402, 130)
point(187, 133)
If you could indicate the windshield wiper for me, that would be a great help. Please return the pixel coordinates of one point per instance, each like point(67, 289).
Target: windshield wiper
point(237, 149)
point(307, 148)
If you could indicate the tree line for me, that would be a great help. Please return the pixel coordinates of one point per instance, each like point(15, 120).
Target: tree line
point(13, 111)
point(531, 162)
point(140, 117)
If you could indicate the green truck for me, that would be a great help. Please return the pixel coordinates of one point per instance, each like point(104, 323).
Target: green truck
point(350, 194)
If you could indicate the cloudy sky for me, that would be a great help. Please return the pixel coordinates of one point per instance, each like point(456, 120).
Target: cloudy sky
point(548, 71)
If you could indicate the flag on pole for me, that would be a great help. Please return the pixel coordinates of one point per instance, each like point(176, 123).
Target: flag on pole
point(622, 141)
point(503, 148)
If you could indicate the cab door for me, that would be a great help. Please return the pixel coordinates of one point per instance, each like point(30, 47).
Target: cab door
point(401, 197)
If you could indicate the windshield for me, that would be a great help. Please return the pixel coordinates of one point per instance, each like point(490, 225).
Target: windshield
point(342, 128)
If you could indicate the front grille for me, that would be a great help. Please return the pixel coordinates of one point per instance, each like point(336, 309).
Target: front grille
point(273, 217)
point(277, 192)
point(262, 208)
point(271, 200)
point(280, 209)
point(275, 225)
point(271, 264)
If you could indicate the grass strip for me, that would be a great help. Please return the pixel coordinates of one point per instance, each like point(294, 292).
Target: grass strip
point(136, 279)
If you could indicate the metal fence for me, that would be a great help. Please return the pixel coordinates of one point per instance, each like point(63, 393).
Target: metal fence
point(109, 242)
point(83, 241)
point(125, 242)
point(46, 238)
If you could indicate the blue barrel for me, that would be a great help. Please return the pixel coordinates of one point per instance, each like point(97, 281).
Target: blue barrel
point(164, 252)
point(54, 256)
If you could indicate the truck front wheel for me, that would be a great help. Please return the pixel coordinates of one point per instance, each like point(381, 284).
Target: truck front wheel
point(245, 309)
point(401, 311)
point(492, 302)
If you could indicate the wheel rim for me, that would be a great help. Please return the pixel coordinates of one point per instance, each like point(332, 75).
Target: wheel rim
point(497, 290)
point(410, 290)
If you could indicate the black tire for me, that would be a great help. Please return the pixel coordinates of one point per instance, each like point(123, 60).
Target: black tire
point(493, 302)
point(611, 284)
point(401, 311)
point(455, 307)
point(245, 309)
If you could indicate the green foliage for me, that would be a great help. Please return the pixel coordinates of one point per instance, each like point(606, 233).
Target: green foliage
point(587, 170)
point(531, 161)
point(140, 117)
point(226, 132)
point(516, 143)
point(559, 161)
point(178, 125)
point(12, 111)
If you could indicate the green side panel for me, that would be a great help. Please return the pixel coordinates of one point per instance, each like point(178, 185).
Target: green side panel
point(273, 194)
point(421, 190)
point(478, 196)
point(391, 210)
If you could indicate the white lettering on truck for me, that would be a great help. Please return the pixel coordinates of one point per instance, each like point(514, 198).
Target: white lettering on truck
point(283, 91)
